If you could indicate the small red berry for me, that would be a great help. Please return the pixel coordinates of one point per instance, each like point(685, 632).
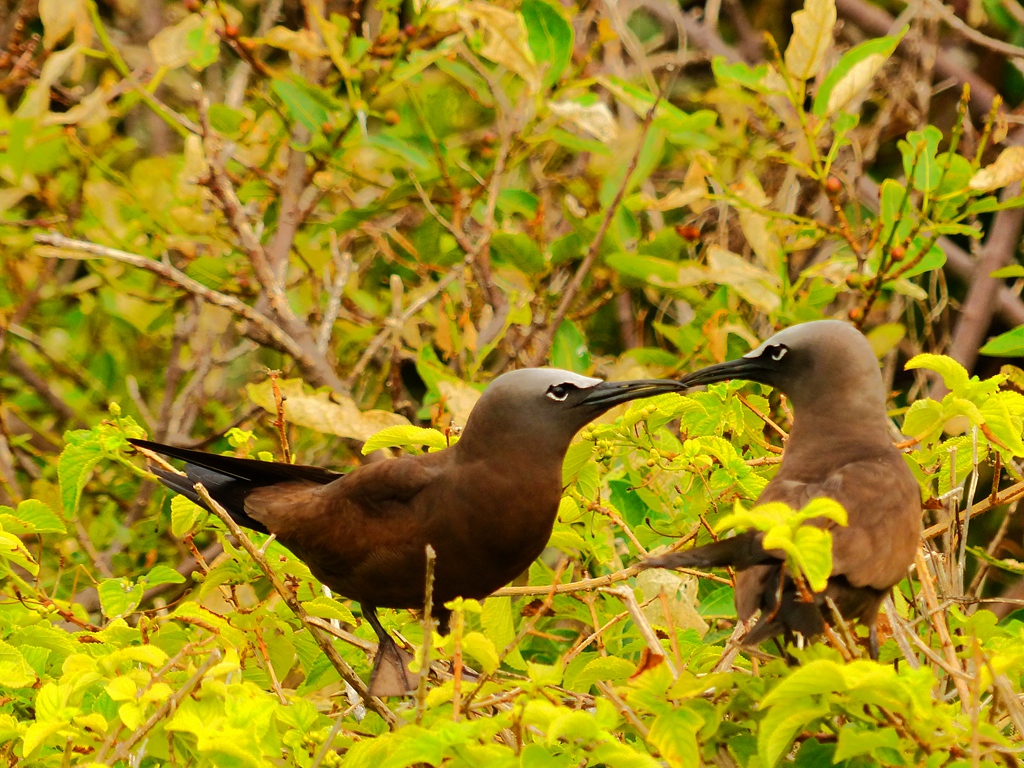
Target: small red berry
point(391, 117)
point(833, 185)
point(856, 314)
point(409, 30)
point(192, 6)
point(688, 232)
point(897, 253)
point(231, 30)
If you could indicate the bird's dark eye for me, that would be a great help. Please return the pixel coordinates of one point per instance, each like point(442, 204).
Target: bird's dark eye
point(776, 352)
point(558, 392)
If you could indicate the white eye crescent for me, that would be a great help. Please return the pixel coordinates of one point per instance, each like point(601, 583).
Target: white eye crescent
point(558, 393)
point(779, 353)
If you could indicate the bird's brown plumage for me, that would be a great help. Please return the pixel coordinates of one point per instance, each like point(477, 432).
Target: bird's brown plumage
point(486, 505)
point(839, 448)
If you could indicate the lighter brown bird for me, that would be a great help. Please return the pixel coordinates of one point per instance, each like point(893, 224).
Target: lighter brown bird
point(486, 505)
point(840, 448)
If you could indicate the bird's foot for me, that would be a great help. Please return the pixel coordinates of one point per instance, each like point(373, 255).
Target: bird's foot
point(391, 675)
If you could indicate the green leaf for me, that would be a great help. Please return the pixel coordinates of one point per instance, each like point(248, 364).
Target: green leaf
point(1013, 270)
point(855, 740)
point(893, 206)
point(32, 516)
point(162, 574)
point(481, 648)
point(550, 38)
point(776, 732)
point(919, 160)
point(569, 349)
point(302, 104)
point(814, 555)
point(496, 619)
point(118, 597)
point(15, 672)
point(674, 735)
point(934, 259)
point(997, 418)
point(953, 374)
point(184, 515)
point(13, 550)
point(1009, 344)
point(843, 77)
point(923, 420)
point(405, 436)
point(749, 77)
point(519, 250)
point(608, 668)
point(576, 458)
point(74, 466)
point(658, 272)
point(327, 608)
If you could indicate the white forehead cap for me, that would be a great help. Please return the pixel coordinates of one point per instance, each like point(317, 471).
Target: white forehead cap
point(568, 377)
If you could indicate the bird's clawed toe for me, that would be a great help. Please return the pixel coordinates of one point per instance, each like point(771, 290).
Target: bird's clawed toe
point(391, 675)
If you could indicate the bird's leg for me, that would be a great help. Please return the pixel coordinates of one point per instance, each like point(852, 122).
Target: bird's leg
point(390, 675)
point(873, 641)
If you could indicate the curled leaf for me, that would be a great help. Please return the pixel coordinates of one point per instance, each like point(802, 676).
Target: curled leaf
point(1008, 168)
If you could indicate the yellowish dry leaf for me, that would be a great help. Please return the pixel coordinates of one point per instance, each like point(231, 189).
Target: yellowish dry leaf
point(1008, 168)
point(36, 103)
point(596, 119)
point(757, 286)
point(696, 179)
point(680, 592)
point(89, 111)
point(302, 42)
point(58, 17)
point(853, 82)
point(758, 228)
point(335, 416)
point(459, 399)
point(812, 36)
point(679, 197)
point(504, 39)
point(169, 47)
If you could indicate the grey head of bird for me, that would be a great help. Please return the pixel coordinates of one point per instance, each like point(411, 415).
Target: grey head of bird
point(541, 409)
point(826, 366)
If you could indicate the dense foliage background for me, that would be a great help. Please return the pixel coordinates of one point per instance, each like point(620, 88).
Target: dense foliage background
point(370, 210)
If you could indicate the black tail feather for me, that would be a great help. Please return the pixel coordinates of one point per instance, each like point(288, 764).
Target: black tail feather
point(229, 480)
point(740, 552)
point(253, 471)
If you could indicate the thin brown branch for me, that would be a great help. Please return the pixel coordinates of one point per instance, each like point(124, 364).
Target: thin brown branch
point(68, 248)
point(169, 705)
point(344, 670)
point(1014, 492)
point(546, 337)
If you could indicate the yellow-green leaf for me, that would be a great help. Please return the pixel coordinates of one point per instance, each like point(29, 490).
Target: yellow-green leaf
point(812, 37)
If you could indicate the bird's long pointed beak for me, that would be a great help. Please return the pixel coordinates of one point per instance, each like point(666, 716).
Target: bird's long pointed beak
point(611, 393)
point(740, 368)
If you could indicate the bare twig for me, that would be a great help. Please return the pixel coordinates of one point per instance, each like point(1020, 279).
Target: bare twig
point(344, 670)
point(68, 248)
point(625, 594)
point(1014, 492)
point(428, 632)
point(169, 705)
point(546, 337)
point(937, 620)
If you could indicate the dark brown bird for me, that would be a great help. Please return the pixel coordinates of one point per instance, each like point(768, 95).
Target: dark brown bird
point(486, 504)
point(839, 448)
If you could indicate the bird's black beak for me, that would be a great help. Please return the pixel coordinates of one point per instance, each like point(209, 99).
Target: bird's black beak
point(608, 394)
point(748, 369)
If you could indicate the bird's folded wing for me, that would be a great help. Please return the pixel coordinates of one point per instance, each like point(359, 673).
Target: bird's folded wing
point(883, 504)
